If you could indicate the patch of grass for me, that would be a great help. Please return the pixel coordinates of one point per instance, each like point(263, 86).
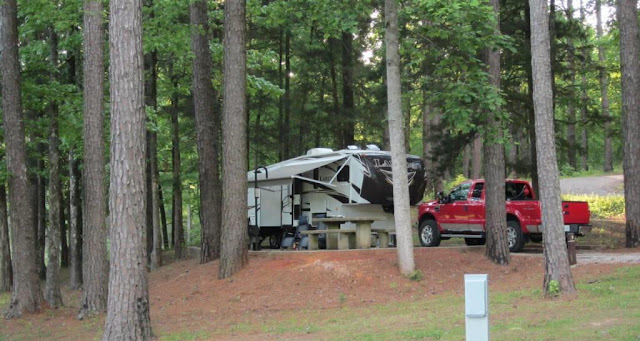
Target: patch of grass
point(610, 206)
point(416, 275)
point(342, 297)
point(4, 299)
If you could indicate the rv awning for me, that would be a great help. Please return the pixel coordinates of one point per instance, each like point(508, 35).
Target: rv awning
point(287, 169)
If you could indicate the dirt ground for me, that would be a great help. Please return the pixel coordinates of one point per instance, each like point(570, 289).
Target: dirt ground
point(186, 295)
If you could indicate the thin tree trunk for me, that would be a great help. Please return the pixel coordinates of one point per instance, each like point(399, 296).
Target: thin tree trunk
point(532, 116)
point(495, 212)
point(334, 89)
point(178, 232)
point(128, 304)
point(64, 231)
point(156, 249)
point(466, 159)
point(26, 296)
point(348, 104)
point(6, 272)
point(235, 237)
point(95, 266)
point(285, 133)
point(571, 108)
point(401, 214)
point(163, 216)
point(604, 92)
point(75, 223)
point(207, 131)
point(630, 69)
point(52, 288)
point(555, 249)
point(41, 215)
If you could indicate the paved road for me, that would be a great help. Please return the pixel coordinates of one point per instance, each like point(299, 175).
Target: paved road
point(600, 185)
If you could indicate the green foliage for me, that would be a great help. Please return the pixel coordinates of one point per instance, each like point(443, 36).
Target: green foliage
point(553, 288)
point(416, 275)
point(449, 185)
point(610, 206)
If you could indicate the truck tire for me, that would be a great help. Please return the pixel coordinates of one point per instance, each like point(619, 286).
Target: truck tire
point(475, 241)
point(428, 233)
point(515, 236)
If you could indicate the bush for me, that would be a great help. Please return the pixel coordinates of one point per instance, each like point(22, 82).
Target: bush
point(610, 206)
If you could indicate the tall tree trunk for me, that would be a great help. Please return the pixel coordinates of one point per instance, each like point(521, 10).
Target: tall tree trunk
point(571, 108)
point(630, 69)
point(495, 212)
point(401, 214)
point(476, 158)
point(207, 131)
point(95, 266)
point(41, 214)
point(334, 89)
point(348, 104)
point(6, 272)
point(407, 121)
point(154, 229)
point(163, 216)
point(64, 231)
point(286, 132)
point(128, 304)
point(466, 160)
point(75, 223)
point(281, 75)
point(532, 115)
point(584, 100)
point(604, 91)
point(555, 249)
point(26, 296)
point(235, 237)
point(52, 288)
point(178, 232)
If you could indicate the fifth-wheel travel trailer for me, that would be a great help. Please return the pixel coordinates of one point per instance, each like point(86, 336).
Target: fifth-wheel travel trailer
point(323, 183)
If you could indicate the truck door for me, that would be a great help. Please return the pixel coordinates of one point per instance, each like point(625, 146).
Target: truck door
point(454, 214)
point(476, 207)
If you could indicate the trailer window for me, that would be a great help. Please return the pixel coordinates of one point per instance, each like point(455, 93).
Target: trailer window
point(344, 174)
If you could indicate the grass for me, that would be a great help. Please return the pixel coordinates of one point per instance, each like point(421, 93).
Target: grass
point(566, 171)
point(606, 308)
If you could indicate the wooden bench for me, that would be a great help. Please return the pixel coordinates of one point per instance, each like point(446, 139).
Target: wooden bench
point(383, 236)
point(343, 237)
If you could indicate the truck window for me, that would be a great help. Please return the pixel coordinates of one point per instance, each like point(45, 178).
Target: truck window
point(460, 192)
point(477, 190)
point(517, 191)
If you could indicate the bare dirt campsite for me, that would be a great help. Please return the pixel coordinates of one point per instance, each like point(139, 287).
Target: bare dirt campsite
point(359, 294)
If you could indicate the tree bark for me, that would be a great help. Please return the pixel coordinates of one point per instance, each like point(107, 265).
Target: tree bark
point(584, 100)
point(75, 223)
point(401, 214)
point(207, 131)
point(95, 266)
point(532, 115)
point(26, 296)
point(178, 230)
point(286, 136)
point(555, 249)
point(571, 108)
point(128, 304)
point(630, 69)
point(235, 238)
point(156, 249)
point(348, 104)
point(41, 214)
point(604, 92)
point(497, 249)
point(476, 158)
point(163, 217)
point(52, 287)
point(6, 272)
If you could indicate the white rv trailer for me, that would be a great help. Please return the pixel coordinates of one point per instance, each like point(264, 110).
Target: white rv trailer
point(323, 183)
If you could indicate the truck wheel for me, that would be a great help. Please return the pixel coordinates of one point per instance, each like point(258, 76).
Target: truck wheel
point(428, 233)
point(475, 241)
point(515, 236)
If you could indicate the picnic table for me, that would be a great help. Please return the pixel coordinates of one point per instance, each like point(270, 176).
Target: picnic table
point(341, 239)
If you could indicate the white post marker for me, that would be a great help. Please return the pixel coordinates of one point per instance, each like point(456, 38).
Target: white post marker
point(476, 306)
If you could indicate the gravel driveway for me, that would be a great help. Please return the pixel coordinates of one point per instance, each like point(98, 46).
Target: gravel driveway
point(600, 185)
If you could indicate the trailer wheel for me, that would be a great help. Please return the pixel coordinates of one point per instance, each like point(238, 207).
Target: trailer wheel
point(515, 236)
point(428, 233)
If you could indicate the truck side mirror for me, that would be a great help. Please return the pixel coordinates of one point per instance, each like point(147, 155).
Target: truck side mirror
point(440, 197)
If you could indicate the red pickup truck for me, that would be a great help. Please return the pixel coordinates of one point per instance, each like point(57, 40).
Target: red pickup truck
point(461, 214)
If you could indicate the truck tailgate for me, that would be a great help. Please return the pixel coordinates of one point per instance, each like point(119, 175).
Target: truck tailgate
point(576, 212)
